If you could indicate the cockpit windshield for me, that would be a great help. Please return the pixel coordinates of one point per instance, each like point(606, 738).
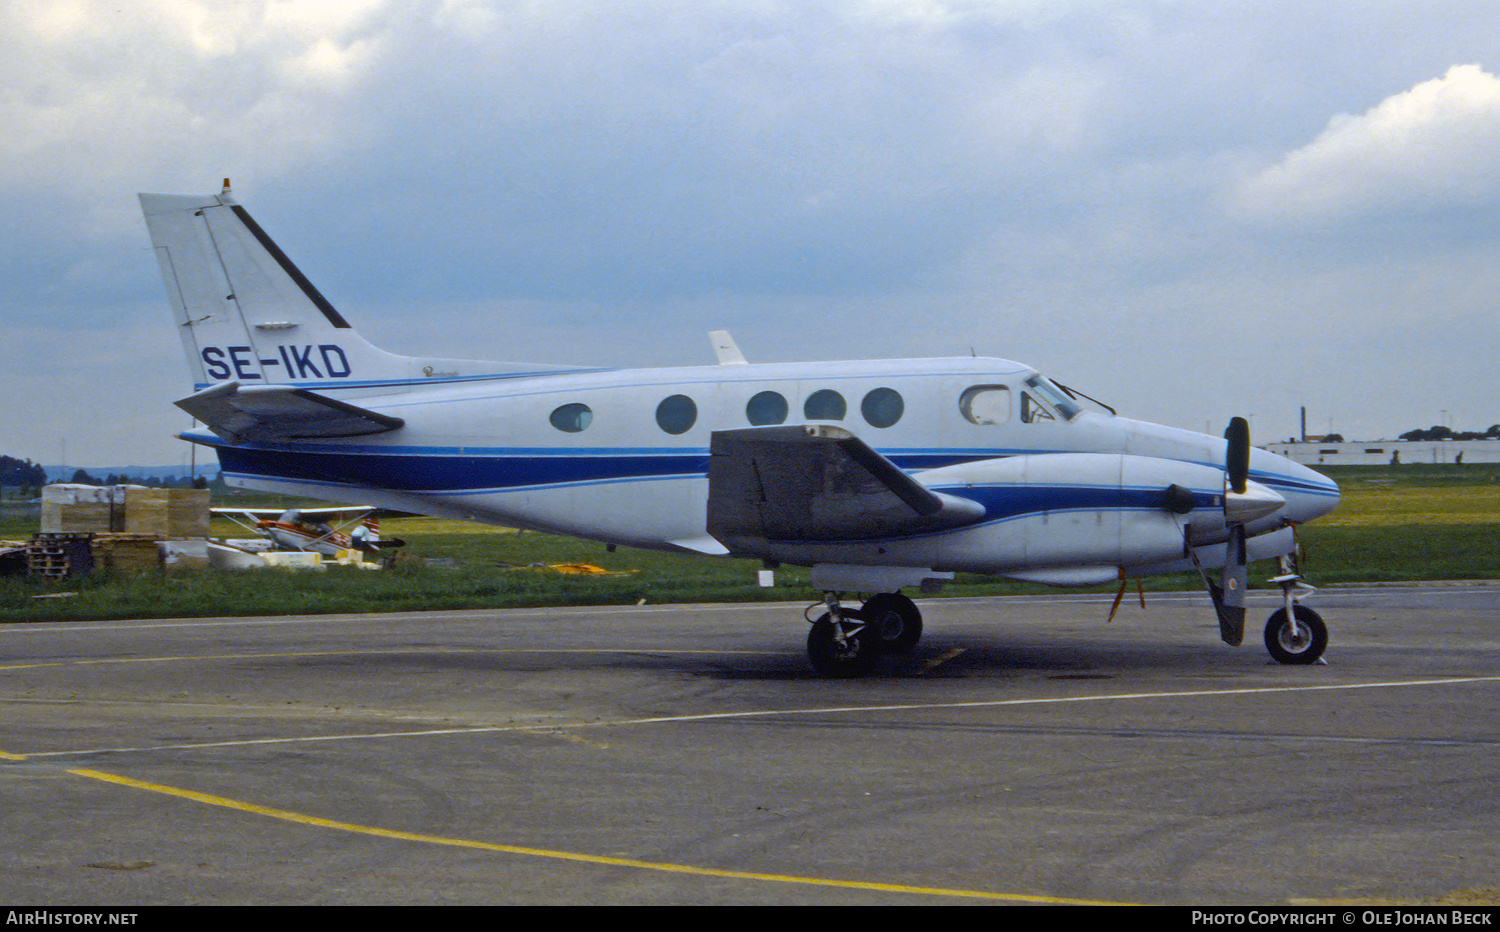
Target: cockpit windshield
point(1054, 396)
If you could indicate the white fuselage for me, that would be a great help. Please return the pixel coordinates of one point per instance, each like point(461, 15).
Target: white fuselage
point(632, 468)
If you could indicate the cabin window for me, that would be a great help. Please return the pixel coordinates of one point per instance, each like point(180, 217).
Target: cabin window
point(882, 407)
point(985, 404)
point(676, 414)
point(572, 418)
point(766, 408)
point(825, 404)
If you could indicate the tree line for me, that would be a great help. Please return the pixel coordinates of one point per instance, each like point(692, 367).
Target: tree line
point(24, 473)
point(29, 477)
point(1440, 432)
point(82, 477)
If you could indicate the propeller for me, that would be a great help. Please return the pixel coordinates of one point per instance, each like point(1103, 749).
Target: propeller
point(1237, 455)
point(1244, 500)
point(1240, 505)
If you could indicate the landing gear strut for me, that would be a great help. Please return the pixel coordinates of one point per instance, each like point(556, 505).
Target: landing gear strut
point(847, 642)
point(1295, 634)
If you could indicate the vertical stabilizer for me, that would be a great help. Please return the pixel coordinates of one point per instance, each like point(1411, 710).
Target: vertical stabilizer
point(247, 314)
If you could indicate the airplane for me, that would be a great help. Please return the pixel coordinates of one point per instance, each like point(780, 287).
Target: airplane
point(878, 475)
point(307, 529)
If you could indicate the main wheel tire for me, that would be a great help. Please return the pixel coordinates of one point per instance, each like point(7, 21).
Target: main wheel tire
point(856, 656)
point(896, 619)
point(1307, 646)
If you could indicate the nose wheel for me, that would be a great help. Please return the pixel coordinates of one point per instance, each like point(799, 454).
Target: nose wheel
point(1299, 638)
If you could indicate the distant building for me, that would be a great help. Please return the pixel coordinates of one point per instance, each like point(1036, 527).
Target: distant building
point(1381, 452)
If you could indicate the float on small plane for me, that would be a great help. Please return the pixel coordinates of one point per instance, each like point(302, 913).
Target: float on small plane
point(878, 475)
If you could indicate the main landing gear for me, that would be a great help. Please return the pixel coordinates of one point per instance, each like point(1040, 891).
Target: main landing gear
point(847, 642)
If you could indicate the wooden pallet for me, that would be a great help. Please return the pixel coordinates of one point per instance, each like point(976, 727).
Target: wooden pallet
point(55, 555)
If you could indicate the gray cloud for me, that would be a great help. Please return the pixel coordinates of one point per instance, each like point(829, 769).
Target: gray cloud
point(1155, 199)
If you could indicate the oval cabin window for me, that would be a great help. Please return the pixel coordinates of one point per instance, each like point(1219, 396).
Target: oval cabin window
point(572, 418)
point(766, 408)
point(825, 404)
point(882, 407)
point(676, 414)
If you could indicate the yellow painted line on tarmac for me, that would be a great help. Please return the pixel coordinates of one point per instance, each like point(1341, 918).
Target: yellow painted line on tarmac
point(6, 756)
point(936, 662)
point(576, 857)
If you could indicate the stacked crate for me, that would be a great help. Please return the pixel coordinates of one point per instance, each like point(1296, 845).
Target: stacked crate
point(122, 524)
point(127, 553)
point(79, 509)
point(187, 514)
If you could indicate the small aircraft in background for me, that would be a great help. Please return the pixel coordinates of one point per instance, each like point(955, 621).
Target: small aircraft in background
point(879, 475)
point(310, 530)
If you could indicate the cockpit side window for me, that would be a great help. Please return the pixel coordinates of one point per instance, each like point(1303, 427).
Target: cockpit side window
point(1033, 410)
point(1053, 396)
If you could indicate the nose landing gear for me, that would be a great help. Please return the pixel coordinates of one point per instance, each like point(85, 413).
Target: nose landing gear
point(1295, 634)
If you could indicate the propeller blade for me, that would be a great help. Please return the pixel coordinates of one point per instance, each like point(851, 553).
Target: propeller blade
point(1237, 453)
point(1244, 501)
point(1229, 594)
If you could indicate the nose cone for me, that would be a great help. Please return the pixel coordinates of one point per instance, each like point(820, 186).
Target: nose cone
point(1309, 494)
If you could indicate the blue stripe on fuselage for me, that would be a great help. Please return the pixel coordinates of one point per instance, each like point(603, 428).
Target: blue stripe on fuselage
point(1005, 502)
point(451, 473)
point(458, 473)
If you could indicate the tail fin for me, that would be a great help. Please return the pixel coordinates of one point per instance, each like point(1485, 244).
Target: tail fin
point(247, 314)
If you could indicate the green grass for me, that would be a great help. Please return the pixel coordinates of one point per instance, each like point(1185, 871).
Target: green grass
point(1394, 523)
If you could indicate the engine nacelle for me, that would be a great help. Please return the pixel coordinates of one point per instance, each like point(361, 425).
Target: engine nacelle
point(1081, 518)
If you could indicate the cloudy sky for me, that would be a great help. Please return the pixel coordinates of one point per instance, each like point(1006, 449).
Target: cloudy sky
point(1190, 210)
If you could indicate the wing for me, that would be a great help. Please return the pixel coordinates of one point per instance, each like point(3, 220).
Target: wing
point(241, 413)
point(269, 514)
point(817, 483)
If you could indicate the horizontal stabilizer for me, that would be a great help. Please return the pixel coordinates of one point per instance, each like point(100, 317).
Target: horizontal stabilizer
point(817, 483)
point(243, 414)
